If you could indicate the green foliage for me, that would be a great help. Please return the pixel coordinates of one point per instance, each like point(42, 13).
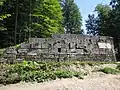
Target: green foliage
point(1, 52)
point(1, 2)
point(29, 71)
point(79, 75)
point(107, 21)
point(99, 25)
point(29, 18)
point(91, 25)
point(64, 74)
point(72, 17)
point(48, 14)
point(109, 70)
point(6, 77)
point(37, 76)
point(3, 16)
point(13, 8)
point(118, 67)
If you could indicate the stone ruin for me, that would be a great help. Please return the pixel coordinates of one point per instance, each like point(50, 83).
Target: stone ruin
point(64, 47)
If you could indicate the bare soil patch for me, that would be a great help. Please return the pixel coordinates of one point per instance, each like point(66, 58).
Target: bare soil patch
point(94, 81)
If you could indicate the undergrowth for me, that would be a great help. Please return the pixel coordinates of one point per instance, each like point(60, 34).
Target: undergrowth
point(35, 72)
point(109, 70)
point(29, 71)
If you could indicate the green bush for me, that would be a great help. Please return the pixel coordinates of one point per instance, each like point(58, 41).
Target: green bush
point(34, 72)
point(79, 75)
point(38, 76)
point(64, 74)
point(109, 70)
point(1, 52)
point(9, 78)
point(118, 67)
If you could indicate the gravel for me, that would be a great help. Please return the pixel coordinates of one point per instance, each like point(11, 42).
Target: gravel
point(95, 81)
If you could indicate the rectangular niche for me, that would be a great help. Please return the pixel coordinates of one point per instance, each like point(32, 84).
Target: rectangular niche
point(59, 50)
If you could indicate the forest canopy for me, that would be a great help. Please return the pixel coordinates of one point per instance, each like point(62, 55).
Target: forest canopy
point(22, 19)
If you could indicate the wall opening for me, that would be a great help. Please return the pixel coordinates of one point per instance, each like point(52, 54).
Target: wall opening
point(59, 50)
point(69, 46)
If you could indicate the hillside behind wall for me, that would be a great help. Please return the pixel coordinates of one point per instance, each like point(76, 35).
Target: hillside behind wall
point(65, 47)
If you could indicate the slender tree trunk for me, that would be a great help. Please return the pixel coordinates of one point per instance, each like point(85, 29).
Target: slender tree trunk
point(30, 18)
point(16, 19)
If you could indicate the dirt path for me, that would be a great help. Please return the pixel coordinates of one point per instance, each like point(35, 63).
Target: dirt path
point(92, 82)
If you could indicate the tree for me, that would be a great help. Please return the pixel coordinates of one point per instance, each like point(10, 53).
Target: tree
point(115, 17)
point(36, 18)
point(91, 25)
point(115, 24)
point(99, 25)
point(3, 16)
point(107, 22)
point(72, 17)
point(15, 25)
point(103, 18)
point(47, 18)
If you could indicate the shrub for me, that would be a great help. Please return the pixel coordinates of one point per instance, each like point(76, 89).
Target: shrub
point(37, 76)
point(34, 72)
point(9, 78)
point(1, 52)
point(109, 70)
point(118, 67)
point(91, 64)
point(64, 74)
point(79, 75)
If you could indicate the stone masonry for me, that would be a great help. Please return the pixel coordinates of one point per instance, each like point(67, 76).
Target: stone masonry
point(66, 47)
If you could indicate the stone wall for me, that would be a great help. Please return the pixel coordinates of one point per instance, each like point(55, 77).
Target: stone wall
point(66, 47)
